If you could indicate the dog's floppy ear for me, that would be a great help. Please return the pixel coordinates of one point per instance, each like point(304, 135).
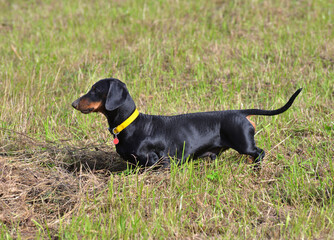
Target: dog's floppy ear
point(117, 95)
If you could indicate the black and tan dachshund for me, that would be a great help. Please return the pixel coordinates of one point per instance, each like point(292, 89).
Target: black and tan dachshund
point(148, 139)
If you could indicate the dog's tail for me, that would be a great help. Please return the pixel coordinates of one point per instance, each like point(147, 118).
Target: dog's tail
point(248, 112)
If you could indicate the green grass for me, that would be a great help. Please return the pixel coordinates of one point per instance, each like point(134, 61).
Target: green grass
point(175, 57)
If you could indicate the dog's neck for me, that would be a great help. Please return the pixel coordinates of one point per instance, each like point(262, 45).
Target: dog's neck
point(119, 115)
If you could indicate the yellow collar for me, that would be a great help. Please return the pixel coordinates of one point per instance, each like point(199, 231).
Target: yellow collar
point(126, 123)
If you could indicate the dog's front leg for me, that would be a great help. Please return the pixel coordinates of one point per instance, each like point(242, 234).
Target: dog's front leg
point(153, 158)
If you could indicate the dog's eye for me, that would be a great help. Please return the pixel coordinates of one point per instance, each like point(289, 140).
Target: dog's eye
point(94, 89)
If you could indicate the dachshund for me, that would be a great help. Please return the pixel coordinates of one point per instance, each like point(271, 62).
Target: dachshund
point(146, 140)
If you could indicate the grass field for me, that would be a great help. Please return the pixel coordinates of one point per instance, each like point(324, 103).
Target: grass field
point(59, 174)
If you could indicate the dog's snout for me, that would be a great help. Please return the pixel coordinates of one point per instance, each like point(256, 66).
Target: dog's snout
point(76, 103)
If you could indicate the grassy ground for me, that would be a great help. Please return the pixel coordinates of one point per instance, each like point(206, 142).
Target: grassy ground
point(59, 174)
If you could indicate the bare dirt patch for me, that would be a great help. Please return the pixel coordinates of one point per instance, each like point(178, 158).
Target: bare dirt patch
point(49, 184)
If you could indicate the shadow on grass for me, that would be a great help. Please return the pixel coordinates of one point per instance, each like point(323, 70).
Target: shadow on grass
point(73, 158)
point(92, 159)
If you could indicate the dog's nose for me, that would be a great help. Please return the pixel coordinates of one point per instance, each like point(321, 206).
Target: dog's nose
point(76, 103)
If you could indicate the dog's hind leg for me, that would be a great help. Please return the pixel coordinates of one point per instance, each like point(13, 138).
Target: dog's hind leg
point(258, 155)
point(244, 143)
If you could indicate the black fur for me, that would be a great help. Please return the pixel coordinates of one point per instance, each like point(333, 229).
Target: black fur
point(151, 138)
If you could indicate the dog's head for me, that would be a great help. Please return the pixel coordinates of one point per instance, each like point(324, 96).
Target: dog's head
point(105, 95)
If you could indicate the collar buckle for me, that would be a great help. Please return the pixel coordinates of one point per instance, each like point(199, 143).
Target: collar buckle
point(113, 131)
